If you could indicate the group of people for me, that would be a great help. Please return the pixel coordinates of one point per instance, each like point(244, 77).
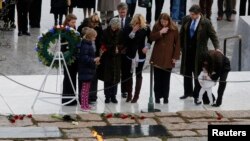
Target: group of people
point(115, 53)
point(107, 7)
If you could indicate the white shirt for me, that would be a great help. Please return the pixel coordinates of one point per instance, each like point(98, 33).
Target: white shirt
point(205, 81)
point(197, 22)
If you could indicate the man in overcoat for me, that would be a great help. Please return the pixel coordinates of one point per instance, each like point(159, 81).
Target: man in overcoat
point(194, 35)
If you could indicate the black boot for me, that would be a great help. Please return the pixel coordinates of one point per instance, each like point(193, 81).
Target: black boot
point(137, 90)
point(129, 85)
point(114, 100)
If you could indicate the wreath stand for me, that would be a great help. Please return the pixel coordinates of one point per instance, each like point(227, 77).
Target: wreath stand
point(60, 58)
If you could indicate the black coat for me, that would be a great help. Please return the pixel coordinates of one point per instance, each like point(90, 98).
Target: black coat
point(137, 43)
point(110, 68)
point(59, 7)
point(86, 64)
point(126, 25)
point(23, 5)
point(99, 31)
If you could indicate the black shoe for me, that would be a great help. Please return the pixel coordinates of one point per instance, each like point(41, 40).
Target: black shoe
point(198, 102)
point(216, 105)
point(26, 33)
point(107, 100)
point(124, 95)
point(113, 100)
point(165, 101)
point(184, 97)
point(12, 25)
point(157, 101)
point(20, 34)
point(234, 11)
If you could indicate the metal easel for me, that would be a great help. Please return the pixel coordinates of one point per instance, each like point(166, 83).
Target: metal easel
point(60, 58)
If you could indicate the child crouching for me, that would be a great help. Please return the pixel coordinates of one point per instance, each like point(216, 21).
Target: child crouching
point(87, 65)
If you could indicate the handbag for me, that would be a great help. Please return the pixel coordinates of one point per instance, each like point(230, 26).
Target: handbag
point(145, 3)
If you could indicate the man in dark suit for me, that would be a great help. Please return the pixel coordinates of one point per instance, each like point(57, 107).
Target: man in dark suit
point(35, 13)
point(23, 7)
point(194, 35)
point(125, 21)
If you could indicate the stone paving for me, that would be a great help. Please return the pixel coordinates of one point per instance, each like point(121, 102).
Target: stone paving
point(181, 126)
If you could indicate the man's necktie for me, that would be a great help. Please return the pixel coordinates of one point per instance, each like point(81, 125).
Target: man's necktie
point(122, 24)
point(192, 28)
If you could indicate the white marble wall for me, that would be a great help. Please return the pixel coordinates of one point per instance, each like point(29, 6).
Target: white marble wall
point(244, 31)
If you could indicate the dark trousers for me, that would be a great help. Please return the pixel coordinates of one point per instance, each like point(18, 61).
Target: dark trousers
point(206, 7)
point(188, 79)
point(56, 16)
point(93, 89)
point(161, 83)
point(228, 8)
point(67, 87)
point(158, 8)
point(35, 13)
point(243, 7)
point(110, 89)
point(22, 16)
point(149, 13)
point(222, 86)
point(131, 9)
point(123, 73)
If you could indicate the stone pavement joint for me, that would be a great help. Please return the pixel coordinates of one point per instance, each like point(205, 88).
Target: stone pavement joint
point(182, 126)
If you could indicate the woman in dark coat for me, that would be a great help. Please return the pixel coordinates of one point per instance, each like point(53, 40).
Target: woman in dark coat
point(59, 8)
point(87, 5)
point(110, 65)
point(93, 22)
point(136, 35)
point(67, 87)
point(165, 53)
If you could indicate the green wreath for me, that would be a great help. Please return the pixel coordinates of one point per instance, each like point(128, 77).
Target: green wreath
point(48, 39)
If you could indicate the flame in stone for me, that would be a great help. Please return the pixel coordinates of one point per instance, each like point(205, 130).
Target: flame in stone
point(97, 136)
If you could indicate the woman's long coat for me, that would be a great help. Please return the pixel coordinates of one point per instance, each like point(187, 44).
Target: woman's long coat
point(110, 68)
point(107, 5)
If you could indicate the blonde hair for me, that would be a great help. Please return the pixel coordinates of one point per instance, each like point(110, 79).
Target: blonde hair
point(88, 33)
point(94, 20)
point(138, 19)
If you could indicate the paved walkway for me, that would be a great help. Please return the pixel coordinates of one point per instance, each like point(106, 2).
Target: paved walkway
point(21, 58)
point(182, 126)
